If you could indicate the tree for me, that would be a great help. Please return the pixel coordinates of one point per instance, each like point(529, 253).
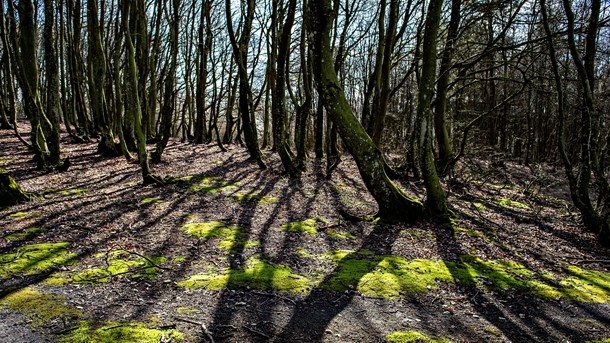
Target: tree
point(240, 55)
point(28, 66)
point(53, 109)
point(435, 195)
point(169, 98)
point(97, 81)
point(592, 146)
point(393, 203)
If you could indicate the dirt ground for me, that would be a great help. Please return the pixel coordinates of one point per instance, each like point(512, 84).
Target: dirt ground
point(107, 217)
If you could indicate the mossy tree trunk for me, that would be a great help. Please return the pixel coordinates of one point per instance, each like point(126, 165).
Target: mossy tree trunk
point(28, 79)
point(169, 98)
point(240, 56)
point(97, 81)
point(10, 192)
point(436, 200)
point(281, 34)
point(445, 153)
point(133, 109)
point(204, 47)
point(592, 147)
point(393, 203)
point(53, 107)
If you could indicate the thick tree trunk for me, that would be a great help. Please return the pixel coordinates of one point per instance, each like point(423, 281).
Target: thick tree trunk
point(393, 203)
point(53, 108)
point(97, 82)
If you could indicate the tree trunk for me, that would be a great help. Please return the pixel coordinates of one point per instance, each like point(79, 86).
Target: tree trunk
point(167, 111)
point(393, 203)
point(53, 108)
point(246, 105)
point(97, 82)
point(435, 195)
point(10, 192)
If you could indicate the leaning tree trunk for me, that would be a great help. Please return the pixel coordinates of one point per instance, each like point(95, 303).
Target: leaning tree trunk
point(10, 192)
point(393, 203)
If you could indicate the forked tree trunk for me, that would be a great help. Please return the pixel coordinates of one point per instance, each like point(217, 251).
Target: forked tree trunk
point(393, 203)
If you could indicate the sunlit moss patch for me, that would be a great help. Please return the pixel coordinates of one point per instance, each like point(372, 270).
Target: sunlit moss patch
point(152, 201)
point(34, 259)
point(340, 234)
point(468, 232)
point(28, 233)
point(111, 332)
point(187, 310)
point(508, 203)
point(118, 264)
point(74, 191)
point(257, 274)
point(24, 215)
point(233, 238)
point(392, 277)
point(39, 307)
point(204, 184)
point(308, 226)
point(607, 340)
point(251, 197)
point(180, 259)
point(413, 336)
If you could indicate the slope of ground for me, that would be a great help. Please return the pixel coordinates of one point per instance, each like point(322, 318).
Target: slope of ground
point(229, 253)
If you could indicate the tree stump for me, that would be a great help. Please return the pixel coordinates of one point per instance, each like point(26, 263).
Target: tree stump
point(10, 192)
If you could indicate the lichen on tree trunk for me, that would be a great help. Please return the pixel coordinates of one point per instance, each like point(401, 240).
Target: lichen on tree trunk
point(10, 192)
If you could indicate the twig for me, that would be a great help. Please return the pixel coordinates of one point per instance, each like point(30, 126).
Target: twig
point(256, 331)
point(592, 261)
point(146, 258)
point(275, 295)
point(202, 325)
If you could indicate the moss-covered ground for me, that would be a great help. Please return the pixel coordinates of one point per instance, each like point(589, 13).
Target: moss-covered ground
point(238, 254)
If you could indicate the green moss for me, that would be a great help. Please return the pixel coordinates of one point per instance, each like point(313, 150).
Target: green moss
point(117, 266)
point(110, 332)
point(187, 310)
point(607, 340)
point(35, 258)
point(24, 214)
point(40, 308)
point(392, 277)
point(26, 234)
point(233, 237)
point(413, 336)
point(469, 233)
point(308, 226)
point(74, 191)
point(257, 274)
point(152, 201)
point(204, 184)
point(254, 198)
point(508, 203)
point(492, 330)
point(213, 184)
point(177, 260)
point(340, 234)
point(480, 205)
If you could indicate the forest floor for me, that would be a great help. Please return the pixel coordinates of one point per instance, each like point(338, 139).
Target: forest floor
point(230, 253)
